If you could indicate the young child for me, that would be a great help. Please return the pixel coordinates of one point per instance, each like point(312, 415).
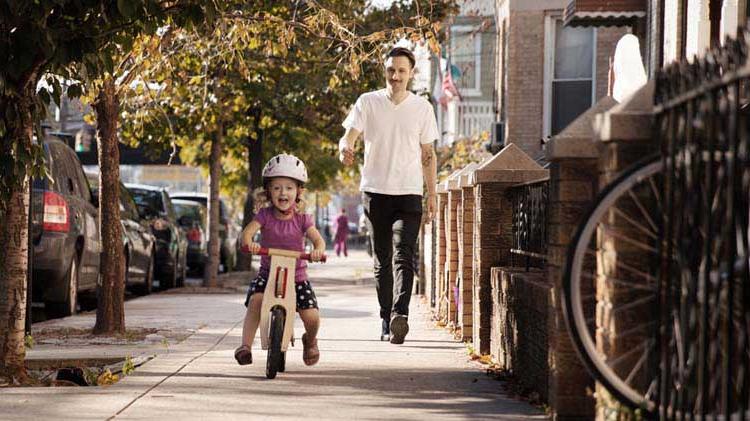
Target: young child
point(282, 225)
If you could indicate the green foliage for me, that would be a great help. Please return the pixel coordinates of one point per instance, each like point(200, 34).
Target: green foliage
point(28, 341)
point(284, 72)
point(461, 153)
point(73, 40)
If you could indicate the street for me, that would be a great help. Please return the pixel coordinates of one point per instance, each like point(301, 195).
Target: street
point(358, 377)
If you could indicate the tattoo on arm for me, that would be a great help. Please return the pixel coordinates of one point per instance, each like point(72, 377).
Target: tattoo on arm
point(426, 157)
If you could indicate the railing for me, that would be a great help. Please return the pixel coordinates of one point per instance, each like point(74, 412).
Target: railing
point(529, 201)
point(703, 121)
point(474, 117)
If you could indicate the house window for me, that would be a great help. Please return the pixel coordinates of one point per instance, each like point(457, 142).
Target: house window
point(569, 88)
point(466, 49)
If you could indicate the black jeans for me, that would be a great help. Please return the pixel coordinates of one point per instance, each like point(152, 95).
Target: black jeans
point(395, 227)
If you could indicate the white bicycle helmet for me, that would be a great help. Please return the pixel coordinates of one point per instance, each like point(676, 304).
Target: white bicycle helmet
point(285, 165)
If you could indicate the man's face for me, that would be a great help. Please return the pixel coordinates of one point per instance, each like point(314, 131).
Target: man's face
point(398, 71)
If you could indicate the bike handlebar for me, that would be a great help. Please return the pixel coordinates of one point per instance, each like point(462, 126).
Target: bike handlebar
point(281, 252)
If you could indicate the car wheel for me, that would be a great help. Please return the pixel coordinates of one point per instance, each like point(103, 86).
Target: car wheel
point(70, 305)
point(148, 280)
point(172, 281)
point(183, 271)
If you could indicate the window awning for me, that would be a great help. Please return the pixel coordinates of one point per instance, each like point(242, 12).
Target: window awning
point(604, 12)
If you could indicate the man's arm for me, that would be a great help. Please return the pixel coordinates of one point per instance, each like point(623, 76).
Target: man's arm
point(429, 169)
point(346, 146)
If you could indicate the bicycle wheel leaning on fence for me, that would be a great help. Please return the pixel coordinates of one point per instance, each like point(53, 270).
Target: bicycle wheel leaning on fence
point(610, 289)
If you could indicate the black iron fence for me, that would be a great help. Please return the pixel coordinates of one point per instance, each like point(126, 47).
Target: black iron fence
point(703, 122)
point(530, 223)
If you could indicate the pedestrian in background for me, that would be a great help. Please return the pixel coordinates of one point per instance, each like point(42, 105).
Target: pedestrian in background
point(399, 129)
point(342, 233)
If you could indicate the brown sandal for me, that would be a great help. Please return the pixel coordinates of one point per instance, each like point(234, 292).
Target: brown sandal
point(243, 355)
point(310, 352)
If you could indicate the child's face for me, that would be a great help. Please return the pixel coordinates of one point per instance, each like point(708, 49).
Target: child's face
point(283, 192)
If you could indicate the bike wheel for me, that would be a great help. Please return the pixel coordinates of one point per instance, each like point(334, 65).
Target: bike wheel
point(282, 363)
point(276, 335)
point(610, 286)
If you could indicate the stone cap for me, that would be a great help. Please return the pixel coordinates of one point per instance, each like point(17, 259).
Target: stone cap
point(630, 120)
point(464, 180)
point(577, 139)
point(510, 165)
point(442, 187)
point(454, 183)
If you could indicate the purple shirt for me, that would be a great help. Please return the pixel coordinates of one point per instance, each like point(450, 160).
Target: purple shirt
point(286, 234)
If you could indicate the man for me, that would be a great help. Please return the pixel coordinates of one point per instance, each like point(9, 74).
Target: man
point(399, 129)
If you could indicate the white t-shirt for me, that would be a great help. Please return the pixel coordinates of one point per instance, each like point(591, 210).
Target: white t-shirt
point(393, 137)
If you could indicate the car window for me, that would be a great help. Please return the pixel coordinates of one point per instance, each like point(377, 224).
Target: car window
point(194, 211)
point(149, 198)
point(82, 184)
point(127, 203)
point(57, 168)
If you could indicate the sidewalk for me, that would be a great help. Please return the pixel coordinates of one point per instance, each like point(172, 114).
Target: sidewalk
point(358, 377)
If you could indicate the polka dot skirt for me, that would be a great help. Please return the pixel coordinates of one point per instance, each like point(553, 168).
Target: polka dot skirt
point(305, 295)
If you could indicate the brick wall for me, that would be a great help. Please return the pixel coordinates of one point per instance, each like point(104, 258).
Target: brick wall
point(521, 307)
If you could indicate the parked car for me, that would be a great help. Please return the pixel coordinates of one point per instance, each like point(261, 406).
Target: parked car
point(227, 229)
point(154, 205)
point(192, 218)
point(138, 241)
point(64, 232)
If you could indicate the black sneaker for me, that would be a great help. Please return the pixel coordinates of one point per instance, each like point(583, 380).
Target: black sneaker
point(385, 335)
point(399, 329)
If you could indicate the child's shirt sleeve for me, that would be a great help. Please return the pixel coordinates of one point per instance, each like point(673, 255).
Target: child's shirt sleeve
point(262, 216)
point(307, 222)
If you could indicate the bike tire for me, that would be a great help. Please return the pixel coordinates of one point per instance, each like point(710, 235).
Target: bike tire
point(276, 335)
point(282, 363)
point(573, 306)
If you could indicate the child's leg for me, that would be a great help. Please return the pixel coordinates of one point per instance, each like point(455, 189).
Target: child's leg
point(311, 319)
point(252, 319)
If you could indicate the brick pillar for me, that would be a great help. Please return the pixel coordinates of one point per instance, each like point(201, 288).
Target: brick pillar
point(451, 254)
point(572, 187)
point(493, 228)
point(440, 288)
point(573, 158)
point(466, 262)
point(624, 136)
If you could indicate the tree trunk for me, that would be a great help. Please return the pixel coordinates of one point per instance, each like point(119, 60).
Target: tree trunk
point(110, 311)
point(254, 180)
point(214, 246)
point(14, 232)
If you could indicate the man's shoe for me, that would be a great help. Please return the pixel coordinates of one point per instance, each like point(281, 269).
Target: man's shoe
point(399, 328)
point(385, 334)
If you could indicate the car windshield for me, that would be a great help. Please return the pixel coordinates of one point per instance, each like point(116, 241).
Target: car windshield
point(148, 198)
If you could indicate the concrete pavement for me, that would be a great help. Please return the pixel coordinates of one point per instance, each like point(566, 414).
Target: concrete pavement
point(358, 377)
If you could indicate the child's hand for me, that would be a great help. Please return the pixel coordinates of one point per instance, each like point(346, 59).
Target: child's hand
point(316, 255)
point(252, 248)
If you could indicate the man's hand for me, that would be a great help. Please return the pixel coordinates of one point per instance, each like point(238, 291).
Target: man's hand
point(431, 206)
point(346, 155)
